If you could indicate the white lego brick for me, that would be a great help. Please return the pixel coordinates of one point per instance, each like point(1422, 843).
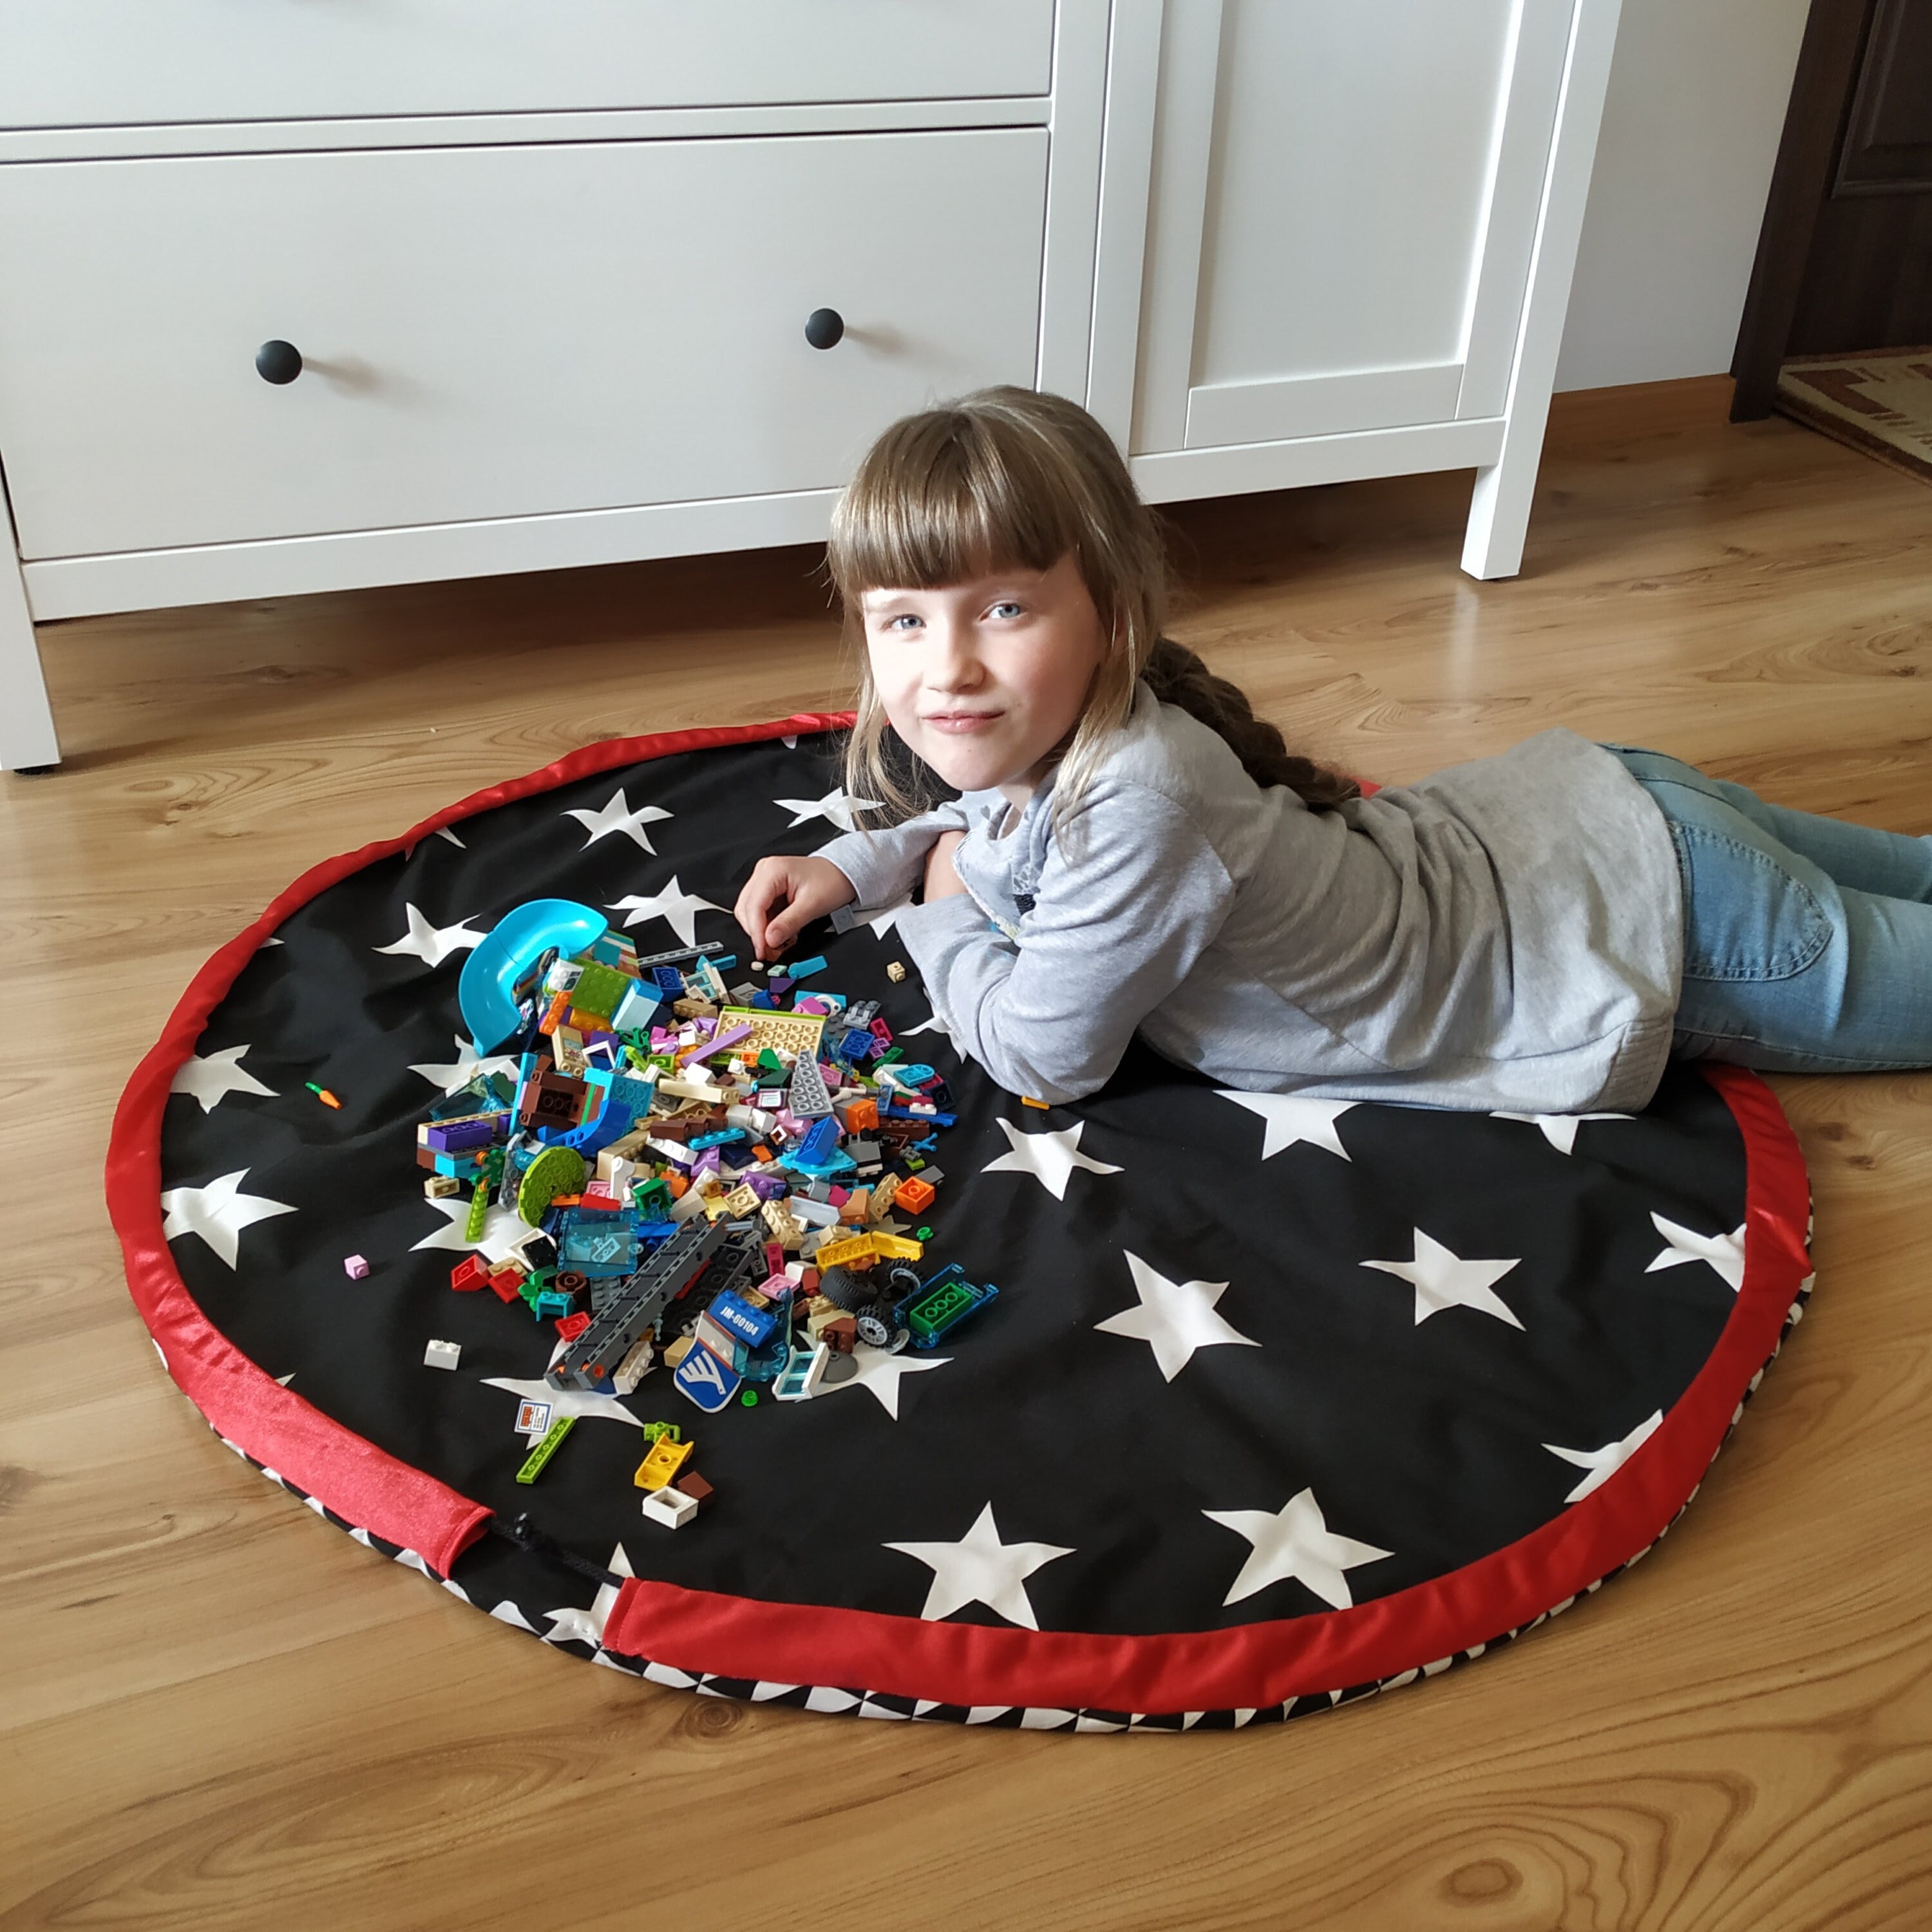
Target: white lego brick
point(671, 1506)
point(443, 1354)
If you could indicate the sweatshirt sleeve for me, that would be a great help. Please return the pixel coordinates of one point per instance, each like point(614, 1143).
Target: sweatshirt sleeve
point(884, 866)
point(1114, 928)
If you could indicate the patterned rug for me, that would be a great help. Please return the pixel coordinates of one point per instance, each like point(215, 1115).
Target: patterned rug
point(1880, 402)
point(1281, 1403)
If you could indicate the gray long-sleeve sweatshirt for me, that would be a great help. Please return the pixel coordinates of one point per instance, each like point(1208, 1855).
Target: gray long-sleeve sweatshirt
point(1505, 933)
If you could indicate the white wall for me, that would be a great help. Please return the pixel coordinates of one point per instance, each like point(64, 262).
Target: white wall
point(1696, 103)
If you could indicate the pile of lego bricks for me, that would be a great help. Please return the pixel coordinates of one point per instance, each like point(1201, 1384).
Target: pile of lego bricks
point(708, 1176)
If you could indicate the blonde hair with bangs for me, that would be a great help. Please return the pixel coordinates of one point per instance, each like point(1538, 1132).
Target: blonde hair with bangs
point(1006, 479)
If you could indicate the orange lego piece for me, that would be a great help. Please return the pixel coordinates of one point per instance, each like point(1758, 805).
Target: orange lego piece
point(557, 1014)
point(915, 1195)
point(860, 1115)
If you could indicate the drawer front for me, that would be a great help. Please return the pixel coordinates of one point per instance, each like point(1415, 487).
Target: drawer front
point(495, 331)
point(67, 63)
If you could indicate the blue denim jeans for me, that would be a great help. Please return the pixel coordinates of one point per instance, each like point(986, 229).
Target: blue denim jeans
point(1808, 941)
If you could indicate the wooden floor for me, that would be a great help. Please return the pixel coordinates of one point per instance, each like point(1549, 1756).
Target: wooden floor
point(217, 1711)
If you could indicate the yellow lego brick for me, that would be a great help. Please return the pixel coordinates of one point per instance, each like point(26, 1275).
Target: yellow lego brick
point(852, 1248)
point(661, 1466)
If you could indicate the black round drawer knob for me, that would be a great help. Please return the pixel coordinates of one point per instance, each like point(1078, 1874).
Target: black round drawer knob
point(824, 327)
point(278, 361)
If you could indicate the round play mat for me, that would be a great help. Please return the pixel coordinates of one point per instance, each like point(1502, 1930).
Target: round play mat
point(1278, 1402)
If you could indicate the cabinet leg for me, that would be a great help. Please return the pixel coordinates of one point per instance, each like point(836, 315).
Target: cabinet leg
point(27, 740)
point(1499, 517)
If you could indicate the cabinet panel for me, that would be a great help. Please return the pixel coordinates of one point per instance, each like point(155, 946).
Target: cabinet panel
point(66, 63)
point(491, 332)
point(1348, 197)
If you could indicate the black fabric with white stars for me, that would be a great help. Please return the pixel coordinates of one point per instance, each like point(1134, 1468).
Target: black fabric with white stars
point(1194, 1405)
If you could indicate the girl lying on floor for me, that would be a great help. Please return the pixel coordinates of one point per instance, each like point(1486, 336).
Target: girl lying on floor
point(1133, 851)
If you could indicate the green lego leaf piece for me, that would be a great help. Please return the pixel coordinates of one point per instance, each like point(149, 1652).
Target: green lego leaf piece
point(891, 1054)
point(479, 1213)
point(557, 1170)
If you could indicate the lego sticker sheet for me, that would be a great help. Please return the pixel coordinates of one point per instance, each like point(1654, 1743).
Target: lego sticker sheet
point(781, 1351)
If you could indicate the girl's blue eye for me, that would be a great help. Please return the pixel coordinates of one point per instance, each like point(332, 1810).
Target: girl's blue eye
point(1008, 605)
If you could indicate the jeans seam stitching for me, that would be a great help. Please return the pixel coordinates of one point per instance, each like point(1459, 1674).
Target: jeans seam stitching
point(1680, 834)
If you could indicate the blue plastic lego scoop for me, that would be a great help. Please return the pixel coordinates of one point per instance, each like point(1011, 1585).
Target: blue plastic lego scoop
point(487, 988)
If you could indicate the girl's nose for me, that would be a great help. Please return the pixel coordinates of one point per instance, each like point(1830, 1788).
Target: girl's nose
point(953, 663)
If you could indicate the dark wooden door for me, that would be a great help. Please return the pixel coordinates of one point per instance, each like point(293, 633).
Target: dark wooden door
point(1844, 260)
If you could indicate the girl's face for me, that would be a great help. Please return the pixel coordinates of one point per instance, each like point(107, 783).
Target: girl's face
point(983, 679)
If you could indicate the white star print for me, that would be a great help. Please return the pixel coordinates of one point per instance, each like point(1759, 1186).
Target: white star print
point(935, 1024)
point(1560, 1129)
point(835, 805)
point(617, 816)
point(502, 1231)
point(587, 1626)
point(1725, 1252)
point(1294, 1542)
point(981, 1569)
point(217, 1213)
point(1050, 1158)
point(1290, 1119)
point(1443, 1280)
point(1173, 1318)
point(209, 1077)
point(674, 904)
point(451, 1075)
point(433, 944)
point(881, 1371)
point(883, 921)
point(441, 831)
point(586, 1404)
point(1604, 1462)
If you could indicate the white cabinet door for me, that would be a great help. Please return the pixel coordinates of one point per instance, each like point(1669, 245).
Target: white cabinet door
point(1342, 208)
point(66, 63)
point(492, 331)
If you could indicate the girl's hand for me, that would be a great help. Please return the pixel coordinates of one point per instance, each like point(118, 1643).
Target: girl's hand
point(797, 889)
point(942, 879)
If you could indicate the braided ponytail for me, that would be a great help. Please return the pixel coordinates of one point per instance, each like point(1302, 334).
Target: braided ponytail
point(1177, 677)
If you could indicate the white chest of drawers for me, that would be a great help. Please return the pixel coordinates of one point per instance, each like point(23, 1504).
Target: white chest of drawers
point(296, 297)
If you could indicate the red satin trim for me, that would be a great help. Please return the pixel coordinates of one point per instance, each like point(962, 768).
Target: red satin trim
point(1262, 1664)
point(358, 1482)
